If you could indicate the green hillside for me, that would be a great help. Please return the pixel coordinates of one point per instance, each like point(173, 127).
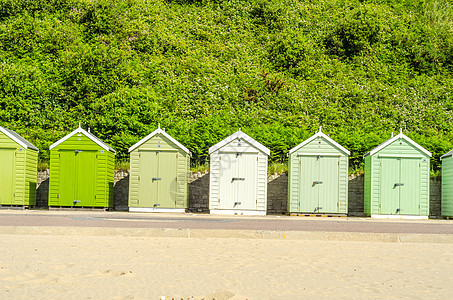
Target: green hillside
point(276, 69)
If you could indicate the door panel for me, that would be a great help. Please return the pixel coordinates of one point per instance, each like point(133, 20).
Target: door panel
point(246, 188)
point(389, 191)
point(229, 163)
point(85, 176)
point(410, 191)
point(147, 187)
point(67, 184)
point(308, 199)
point(328, 189)
point(167, 185)
point(7, 176)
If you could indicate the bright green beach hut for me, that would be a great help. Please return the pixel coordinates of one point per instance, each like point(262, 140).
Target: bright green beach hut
point(447, 184)
point(159, 171)
point(18, 165)
point(397, 179)
point(318, 176)
point(81, 171)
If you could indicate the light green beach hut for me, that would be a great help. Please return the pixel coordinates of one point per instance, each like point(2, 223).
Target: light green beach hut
point(397, 179)
point(18, 165)
point(81, 171)
point(318, 176)
point(238, 177)
point(159, 171)
point(447, 184)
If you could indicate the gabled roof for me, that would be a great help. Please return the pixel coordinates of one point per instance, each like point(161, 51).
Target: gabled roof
point(155, 132)
point(320, 134)
point(88, 135)
point(396, 137)
point(18, 139)
point(239, 135)
point(450, 153)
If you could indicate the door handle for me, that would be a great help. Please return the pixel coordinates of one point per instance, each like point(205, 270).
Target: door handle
point(317, 182)
point(399, 184)
point(157, 178)
point(237, 178)
point(237, 203)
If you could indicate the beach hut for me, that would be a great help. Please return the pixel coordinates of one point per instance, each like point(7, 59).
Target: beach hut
point(238, 176)
point(81, 171)
point(318, 176)
point(159, 170)
point(18, 165)
point(447, 184)
point(397, 179)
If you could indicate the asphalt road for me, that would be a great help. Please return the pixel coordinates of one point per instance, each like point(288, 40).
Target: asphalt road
point(202, 221)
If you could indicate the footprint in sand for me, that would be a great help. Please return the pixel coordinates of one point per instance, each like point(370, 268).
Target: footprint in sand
point(111, 273)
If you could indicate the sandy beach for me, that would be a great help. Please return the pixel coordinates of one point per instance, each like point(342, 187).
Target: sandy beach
point(121, 267)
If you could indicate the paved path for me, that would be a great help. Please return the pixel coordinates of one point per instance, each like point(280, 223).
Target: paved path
point(41, 218)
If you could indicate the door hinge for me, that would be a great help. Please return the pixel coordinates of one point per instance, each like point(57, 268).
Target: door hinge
point(58, 196)
point(95, 197)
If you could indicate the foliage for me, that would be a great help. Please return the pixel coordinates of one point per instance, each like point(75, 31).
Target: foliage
point(205, 68)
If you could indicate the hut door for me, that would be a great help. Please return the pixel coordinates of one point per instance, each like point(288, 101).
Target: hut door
point(319, 184)
point(328, 189)
point(410, 191)
point(390, 190)
point(148, 169)
point(157, 179)
point(238, 178)
point(246, 182)
point(77, 186)
point(308, 195)
point(166, 185)
point(400, 186)
point(85, 177)
point(7, 178)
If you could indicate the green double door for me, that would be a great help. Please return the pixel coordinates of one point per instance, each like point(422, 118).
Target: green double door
point(319, 184)
point(400, 186)
point(77, 177)
point(158, 179)
point(238, 181)
point(7, 176)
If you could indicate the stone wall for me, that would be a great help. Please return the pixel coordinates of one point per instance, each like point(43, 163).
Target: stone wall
point(277, 193)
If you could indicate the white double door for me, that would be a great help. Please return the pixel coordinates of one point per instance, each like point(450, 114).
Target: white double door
point(238, 181)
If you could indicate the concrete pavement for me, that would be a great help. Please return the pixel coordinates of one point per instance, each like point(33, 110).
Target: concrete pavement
point(210, 226)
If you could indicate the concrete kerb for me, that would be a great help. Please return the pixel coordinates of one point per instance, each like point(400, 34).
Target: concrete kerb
point(239, 234)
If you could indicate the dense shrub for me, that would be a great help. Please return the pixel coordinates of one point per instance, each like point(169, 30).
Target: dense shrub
point(203, 69)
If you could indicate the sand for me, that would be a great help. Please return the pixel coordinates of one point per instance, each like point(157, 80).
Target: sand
point(119, 267)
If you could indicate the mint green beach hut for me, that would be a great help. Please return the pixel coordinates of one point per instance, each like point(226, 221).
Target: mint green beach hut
point(397, 179)
point(318, 176)
point(81, 171)
point(18, 165)
point(447, 184)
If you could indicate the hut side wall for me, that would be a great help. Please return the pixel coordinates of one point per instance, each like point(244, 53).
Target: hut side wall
point(54, 177)
point(214, 184)
point(447, 187)
point(317, 145)
point(20, 191)
point(133, 178)
point(30, 177)
point(367, 185)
